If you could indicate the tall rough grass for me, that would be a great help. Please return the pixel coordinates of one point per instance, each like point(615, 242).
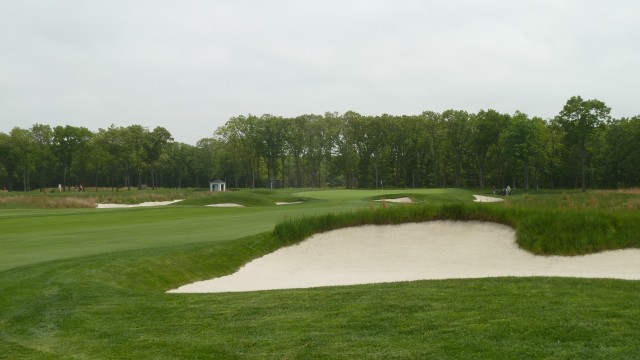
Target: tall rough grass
point(574, 232)
point(297, 229)
point(88, 199)
point(615, 200)
point(541, 231)
point(46, 202)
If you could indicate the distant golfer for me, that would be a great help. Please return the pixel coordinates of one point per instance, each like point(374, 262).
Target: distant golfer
point(60, 187)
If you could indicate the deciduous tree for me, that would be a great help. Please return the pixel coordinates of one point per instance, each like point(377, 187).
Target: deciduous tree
point(579, 118)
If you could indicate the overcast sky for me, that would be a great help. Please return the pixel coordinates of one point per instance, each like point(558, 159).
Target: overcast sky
point(189, 66)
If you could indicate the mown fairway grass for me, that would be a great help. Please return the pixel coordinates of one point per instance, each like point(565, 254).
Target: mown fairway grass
point(90, 283)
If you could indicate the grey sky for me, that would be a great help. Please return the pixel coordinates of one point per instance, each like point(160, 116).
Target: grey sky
point(189, 66)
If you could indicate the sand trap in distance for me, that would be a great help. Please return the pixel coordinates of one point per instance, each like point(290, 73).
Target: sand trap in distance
point(482, 198)
point(149, 203)
point(431, 250)
point(225, 205)
point(402, 200)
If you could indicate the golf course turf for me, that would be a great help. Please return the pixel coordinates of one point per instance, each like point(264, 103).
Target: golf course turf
point(91, 283)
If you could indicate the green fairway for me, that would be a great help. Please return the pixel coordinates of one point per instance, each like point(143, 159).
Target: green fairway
point(31, 236)
point(90, 283)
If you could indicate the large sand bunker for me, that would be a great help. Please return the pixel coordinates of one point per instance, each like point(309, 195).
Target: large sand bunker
point(431, 250)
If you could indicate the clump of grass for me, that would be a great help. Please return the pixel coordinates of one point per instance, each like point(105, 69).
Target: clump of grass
point(592, 203)
point(567, 201)
point(575, 232)
point(72, 202)
point(633, 204)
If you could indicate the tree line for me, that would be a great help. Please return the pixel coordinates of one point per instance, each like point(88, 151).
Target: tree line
point(581, 147)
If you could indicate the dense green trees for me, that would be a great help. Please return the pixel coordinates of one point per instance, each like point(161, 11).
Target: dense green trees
point(579, 119)
point(582, 146)
point(621, 162)
point(521, 139)
point(486, 128)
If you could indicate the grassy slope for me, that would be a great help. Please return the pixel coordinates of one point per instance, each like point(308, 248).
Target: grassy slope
point(110, 302)
point(76, 234)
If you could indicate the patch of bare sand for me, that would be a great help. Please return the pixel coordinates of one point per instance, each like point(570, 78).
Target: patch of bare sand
point(482, 198)
point(431, 250)
point(225, 205)
point(402, 200)
point(149, 203)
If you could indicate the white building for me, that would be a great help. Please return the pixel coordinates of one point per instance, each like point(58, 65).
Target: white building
point(217, 185)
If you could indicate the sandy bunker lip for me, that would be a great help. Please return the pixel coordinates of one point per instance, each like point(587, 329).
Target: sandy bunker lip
point(431, 250)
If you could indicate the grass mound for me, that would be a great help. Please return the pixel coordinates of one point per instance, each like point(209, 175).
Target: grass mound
point(249, 198)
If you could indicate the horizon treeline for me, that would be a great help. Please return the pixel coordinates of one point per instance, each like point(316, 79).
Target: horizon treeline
point(582, 147)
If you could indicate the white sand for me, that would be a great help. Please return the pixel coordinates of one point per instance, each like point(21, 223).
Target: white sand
point(432, 250)
point(225, 205)
point(289, 203)
point(402, 200)
point(481, 198)
point(150, 203)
